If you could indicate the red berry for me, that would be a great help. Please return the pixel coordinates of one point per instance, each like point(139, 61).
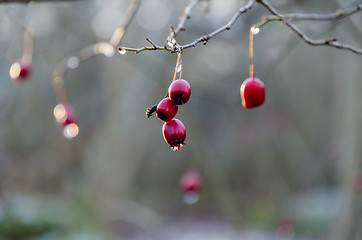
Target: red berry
point(179, 91)
point(252, 93)
point(190, 182)
point(20, 71)
point(174, 133)
point(286, 227)
point(64, 114)
point(166, 109)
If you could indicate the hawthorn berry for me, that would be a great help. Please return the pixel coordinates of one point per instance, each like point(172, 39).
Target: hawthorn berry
point(174, 133)
point(20, 71)
point(285, 227)
point(252, 92)
point(64, 114)
point(190, 182)
point(179, 91)
point(66, 118)
point(166, 110)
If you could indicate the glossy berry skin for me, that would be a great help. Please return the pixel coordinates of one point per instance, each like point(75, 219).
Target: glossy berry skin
point(179, 91)
point(190, 182)
point(20, 71)
point(64, 114)
point(166, 110)
point(252, 93)
point(174, 133)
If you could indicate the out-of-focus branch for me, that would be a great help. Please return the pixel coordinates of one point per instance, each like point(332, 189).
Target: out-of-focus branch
point(333, 42)
point(337, 15)
point(105, 48)
point(34, 1)
point(183, 18)
point(119, 32)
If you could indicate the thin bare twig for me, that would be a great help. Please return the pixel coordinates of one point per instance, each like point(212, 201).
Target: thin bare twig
point(119, 32)
point(173, 33)
point(33, 1)
point(183, 18)
point(333, 42)
point(105, 48)
point(122, 50)
point(204, 39)
point(337, 15)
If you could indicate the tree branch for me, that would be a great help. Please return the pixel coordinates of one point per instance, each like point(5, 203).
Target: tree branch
point(339, 14)
point(333, 42)
point(34, 1)
point(204, 39)
point(105, 48)
point(183, 18)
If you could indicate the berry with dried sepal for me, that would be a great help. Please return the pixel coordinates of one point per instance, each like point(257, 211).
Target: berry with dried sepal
point(166, 110)
point(179, 91)
point(252, 92)
point(174, 133)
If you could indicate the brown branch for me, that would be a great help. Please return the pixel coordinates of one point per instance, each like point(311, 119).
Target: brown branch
point(34, 1)
point(227, 26)
point(183, 18)
point(204, 39)
point(172, 45)
point(105, 48)
point(286, 19)
point(119, 32)
point(339, 14)
point(123, 50)
point(333, 42)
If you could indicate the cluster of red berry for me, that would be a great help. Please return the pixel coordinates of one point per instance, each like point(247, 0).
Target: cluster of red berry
point(173, 130)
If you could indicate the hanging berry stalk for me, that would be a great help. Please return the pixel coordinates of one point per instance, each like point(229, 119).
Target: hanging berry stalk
point(252, 90)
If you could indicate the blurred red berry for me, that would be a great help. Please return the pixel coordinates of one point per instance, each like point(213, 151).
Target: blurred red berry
point(174, 133)
point(64, 114)
point(179, 91)
point(190, 182)
point(285, 227)
point(166, 110)
point(20, 71)
point(65, 117)
point(252, 93)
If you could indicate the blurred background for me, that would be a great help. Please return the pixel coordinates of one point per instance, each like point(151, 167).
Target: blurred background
point(289, 169)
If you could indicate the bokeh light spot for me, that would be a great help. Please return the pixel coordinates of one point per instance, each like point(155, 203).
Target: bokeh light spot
point(60, 113)
point(71, 130)
point(15, 70)
point(191, 197)
point(73, 62)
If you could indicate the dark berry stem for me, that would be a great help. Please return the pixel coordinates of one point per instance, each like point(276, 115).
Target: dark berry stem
point(150, 111)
